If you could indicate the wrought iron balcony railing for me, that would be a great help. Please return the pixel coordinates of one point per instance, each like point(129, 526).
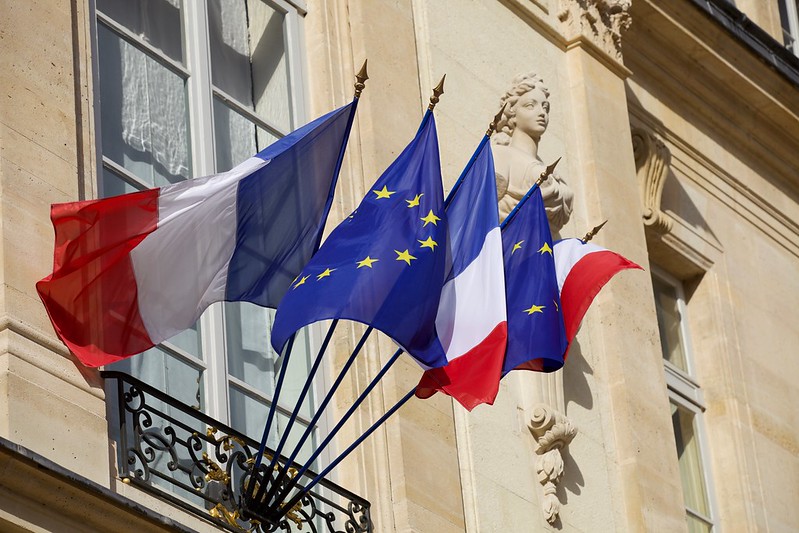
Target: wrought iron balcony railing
point(179, 454)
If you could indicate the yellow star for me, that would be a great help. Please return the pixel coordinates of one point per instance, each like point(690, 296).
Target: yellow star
point(517, 246)
point(367, 262)
point(556, 305)
point(404, 256)
point(545, 249)
point(325, 274)
point(429, 243)
point(535, 309)
point(430, 218)
point(383, 193)
point(302, 280)
point(415, 201)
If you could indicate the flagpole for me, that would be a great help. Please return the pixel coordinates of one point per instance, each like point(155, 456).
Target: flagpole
point(491, 129)
point(360, 85)
point(541, 179)
point(328, 397)
point(283, 509)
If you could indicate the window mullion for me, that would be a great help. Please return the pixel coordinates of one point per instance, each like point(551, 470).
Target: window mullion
point(203, 161)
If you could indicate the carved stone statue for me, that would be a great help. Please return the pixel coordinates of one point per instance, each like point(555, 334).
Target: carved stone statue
point(516, 151)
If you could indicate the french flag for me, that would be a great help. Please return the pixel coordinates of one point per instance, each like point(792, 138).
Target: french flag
point(582, 269)
point(472, 322)
point(134, 270)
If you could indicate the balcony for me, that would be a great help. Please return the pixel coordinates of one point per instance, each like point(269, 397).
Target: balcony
point(181, 455)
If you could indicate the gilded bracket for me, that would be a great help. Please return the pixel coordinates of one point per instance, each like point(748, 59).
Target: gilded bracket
point(652, 160)
point(552, 432)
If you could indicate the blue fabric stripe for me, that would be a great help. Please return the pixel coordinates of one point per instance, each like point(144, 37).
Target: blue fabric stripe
point(282, 207)
point(472, 213)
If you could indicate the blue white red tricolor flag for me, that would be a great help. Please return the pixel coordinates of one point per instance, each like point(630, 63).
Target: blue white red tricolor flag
point(582, 270)
point(134, 270)
point(471, 320)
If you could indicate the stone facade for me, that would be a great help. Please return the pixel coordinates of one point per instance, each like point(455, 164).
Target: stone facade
point(669, 127)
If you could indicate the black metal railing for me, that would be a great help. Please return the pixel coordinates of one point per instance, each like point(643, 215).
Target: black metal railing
point(179, 454)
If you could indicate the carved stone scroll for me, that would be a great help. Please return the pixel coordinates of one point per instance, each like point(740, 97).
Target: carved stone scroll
point(552, 432)
point(652, 160)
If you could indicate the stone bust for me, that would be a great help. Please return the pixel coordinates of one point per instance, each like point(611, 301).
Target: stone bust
point(519, 131)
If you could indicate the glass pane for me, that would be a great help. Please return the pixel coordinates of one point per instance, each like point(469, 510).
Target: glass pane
point(248, 415)
point(690, 460)
point(168, 374)
point(250, 355)
point(155, 21)
point(113, 185)
point(669, 321)
point(237, 139)
point(248, 56)
point(144, 112)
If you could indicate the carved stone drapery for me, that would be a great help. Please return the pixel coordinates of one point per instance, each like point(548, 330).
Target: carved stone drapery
point(652, 160)
point(552, 432)
point(600, 21)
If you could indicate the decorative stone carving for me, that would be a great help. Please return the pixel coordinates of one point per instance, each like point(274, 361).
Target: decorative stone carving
point(519, 130)
point(600, 21)
point(552, 432)
point(652, 160)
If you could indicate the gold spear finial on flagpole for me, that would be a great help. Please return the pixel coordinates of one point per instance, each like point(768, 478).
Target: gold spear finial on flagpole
point(493, 126)
point(360, 80)
point(547, 172)
point(437, 92)
point(590, 235)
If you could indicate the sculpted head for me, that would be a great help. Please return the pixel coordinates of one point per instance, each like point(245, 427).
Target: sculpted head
point(527, 110)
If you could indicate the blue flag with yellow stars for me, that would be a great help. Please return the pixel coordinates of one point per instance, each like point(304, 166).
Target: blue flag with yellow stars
point(536, 332)
point(384, 265)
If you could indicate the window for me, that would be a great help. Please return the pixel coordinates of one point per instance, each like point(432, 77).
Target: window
point(789, 17)
point(187, 89)
point(686, 400)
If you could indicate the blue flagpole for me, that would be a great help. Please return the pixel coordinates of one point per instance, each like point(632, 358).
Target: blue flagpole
point(360, 78)
point(339, 379)
point(283, 509)
point(358, 401)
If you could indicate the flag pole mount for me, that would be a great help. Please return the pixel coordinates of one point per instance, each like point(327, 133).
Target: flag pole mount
point(547, 172)
point(493, 126)
point(437, 92)
point(590, 235)
point(360, 80)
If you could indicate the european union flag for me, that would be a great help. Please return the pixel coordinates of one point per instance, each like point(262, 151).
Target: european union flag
point(385, 264)
point(536, 332)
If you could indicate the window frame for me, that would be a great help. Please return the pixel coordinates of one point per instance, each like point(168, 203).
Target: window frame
point(791, 10)
point(684, 392)
point(200, 93)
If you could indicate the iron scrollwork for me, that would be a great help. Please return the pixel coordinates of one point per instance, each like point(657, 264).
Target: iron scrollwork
point(179, 454)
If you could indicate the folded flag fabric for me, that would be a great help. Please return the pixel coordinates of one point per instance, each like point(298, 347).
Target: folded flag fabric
point(133, 270)
point(536, 332)
point(384, 265)
point(471, 320)
point(582, 270)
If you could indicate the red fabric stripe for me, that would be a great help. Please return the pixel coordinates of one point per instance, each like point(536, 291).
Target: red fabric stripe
point(583, 283)
point(91, 295)
point(472, 378)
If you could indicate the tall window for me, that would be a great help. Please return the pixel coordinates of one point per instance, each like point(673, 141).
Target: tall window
point(189, 88)
point(789, 17)
point(686, 400)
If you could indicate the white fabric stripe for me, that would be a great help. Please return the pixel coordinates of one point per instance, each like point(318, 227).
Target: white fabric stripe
point(473, 304)
point(181, 267)
point(567, 252)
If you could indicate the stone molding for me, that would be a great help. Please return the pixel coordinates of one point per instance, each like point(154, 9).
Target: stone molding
point(552, 432)
point(652, 160)
point(601, 22)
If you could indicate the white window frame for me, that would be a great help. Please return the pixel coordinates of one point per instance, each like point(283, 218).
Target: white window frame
point(200, 93)
point(685, 392)
point(792, 13)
